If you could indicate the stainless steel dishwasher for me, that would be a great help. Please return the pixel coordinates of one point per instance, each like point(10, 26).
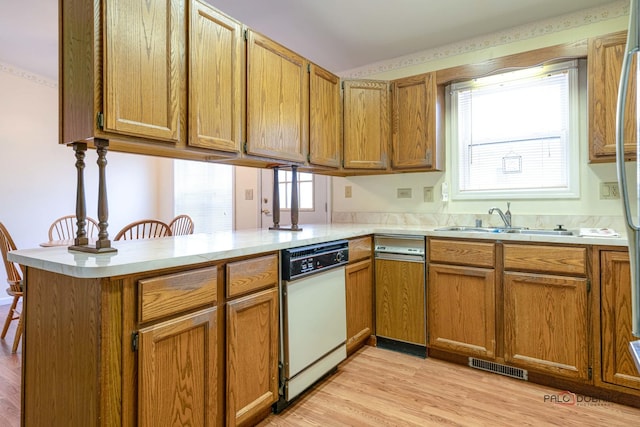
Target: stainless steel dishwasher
point(400, 293)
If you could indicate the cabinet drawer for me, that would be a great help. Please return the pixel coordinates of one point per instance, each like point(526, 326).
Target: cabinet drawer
point(546, 259)
point(477, 254)
point(359, 248)
point(251, 275)
point(174, 293)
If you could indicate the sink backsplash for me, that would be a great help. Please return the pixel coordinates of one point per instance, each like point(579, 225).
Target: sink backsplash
point(570, 222)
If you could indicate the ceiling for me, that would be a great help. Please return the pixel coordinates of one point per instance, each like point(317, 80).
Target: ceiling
point(339, 35)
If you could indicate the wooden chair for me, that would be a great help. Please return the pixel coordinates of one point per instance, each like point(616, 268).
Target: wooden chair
point(14, 278)
point(144, 229)
point(65, 228)
point(181, 225)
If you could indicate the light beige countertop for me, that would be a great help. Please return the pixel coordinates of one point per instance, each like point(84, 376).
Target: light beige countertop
point(146, 255)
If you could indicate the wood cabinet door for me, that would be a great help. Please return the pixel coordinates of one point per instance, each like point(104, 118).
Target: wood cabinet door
point(400, 303)
point(545, 323)
point(605, 65)
point(615, 288)
point(277, 100)
point(144, 45)
point(416, 124)
point(462, 316)
point(178, 371)
point(359, 285)
point(216, 79)
point(366, 116)
point(325, 120)
point(252, 356)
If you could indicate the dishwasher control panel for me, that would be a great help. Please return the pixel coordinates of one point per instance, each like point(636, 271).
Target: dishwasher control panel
point(305, 260)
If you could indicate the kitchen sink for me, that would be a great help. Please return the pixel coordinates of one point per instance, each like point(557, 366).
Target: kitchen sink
point(513, 230)
point(542, 232)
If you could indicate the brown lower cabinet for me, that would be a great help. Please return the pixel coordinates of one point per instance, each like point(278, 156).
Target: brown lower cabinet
point(179, 355)
point(190, 345)
point(359, 293)
point(615, 320)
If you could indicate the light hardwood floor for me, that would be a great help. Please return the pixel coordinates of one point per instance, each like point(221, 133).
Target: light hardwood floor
point(382, 388)
point(379, 387)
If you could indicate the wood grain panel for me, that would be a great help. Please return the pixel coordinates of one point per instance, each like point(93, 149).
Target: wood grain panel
point(417, 124)
point(360, 248)
point(400, 301)
point(462, 310)
point(478, 254)
point(616, 325)
point(216, 79)
point(178, 371)
point(325, 118)
point(605, 65)
point(252, 356)
point(252, 275)
point(546, 259)
point(174, 293)
point(144, 47)
point(277, 100)
point(367, 124)
point(359, 286)
point(545, 322)
point(62, 352)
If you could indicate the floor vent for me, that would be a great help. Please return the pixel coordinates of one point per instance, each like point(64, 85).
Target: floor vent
point(497, 368)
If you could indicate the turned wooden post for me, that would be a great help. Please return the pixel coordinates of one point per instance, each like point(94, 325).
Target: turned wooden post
point(275, 208)
point(294, 198)
point(81, 242)
point(81, 238)
point(103, 244)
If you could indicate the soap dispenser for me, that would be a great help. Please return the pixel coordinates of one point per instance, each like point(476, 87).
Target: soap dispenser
point(507, 214)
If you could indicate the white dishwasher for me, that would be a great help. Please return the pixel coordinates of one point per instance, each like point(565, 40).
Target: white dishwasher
point(313, 316)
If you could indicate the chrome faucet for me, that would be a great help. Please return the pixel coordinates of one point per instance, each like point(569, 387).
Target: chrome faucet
point(506, 216)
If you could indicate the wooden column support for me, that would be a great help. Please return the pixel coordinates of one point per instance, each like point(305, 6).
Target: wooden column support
point(81, 243)
point(294, 201)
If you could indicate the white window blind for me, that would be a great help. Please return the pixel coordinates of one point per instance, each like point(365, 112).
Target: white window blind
point(204, 191)
point(515, 134)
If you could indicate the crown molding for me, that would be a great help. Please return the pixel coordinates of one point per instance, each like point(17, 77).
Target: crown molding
point(10, 69)
point(515, 34)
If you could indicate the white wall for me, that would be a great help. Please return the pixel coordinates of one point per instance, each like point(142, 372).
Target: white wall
point(378, 193)
point(38, 175)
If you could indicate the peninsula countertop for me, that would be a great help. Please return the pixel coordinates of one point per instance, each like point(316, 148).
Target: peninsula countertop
point(136, 256)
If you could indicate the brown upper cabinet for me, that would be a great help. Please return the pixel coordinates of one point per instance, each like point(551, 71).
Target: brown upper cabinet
point(123, 77)
point(366, 116)
point(277, 100)
point(325, 120)
point(418, 123)
point(605, 64)
point(216, 79)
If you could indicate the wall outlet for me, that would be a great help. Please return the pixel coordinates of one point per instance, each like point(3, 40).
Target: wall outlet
point(404, 193)
point(347, 191)
point(428, 194)
point(248, 194)
point(609, 191)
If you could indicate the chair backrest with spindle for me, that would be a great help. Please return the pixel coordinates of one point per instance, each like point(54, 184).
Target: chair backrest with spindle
point(144, 229)
point(14, 272)
point(65, 228)
point(181, 225)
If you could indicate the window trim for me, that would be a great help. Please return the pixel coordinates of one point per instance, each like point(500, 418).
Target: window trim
point(573, 151)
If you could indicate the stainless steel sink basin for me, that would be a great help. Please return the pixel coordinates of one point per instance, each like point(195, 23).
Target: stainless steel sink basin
point(469, 229)
point(515, 230)
point(540, 232)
